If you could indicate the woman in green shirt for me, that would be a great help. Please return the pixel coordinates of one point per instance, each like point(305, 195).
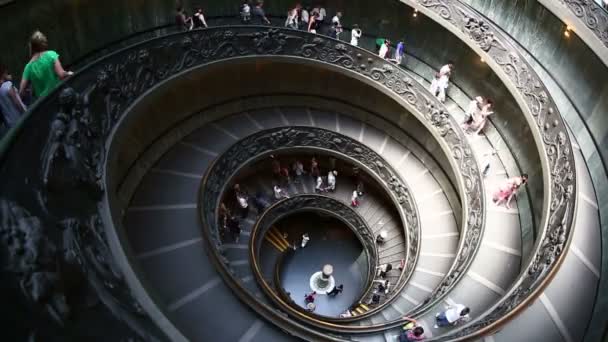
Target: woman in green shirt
point(44, 71)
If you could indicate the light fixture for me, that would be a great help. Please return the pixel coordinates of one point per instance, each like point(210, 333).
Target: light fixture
point(415, 13)
point(482, 60)
point(567, 31)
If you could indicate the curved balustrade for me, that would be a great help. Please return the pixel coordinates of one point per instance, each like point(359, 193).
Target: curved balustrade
point(305, 139)
point(327, 206)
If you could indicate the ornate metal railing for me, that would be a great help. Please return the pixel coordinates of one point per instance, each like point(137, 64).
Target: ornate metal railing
point(553, 143)
point(67, 131)
point(294, 139)
point(310, 203)
point(592, 14)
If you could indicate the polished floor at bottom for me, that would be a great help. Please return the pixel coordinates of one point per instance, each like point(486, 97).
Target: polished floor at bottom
point(331, 242)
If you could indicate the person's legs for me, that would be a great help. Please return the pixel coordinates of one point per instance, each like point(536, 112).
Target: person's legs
point(441, 320)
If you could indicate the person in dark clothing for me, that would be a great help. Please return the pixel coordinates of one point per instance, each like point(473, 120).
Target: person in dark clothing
point(182, 21)
point(261, 201)
point(234, 227)
point(336, 290)
point(258, 14)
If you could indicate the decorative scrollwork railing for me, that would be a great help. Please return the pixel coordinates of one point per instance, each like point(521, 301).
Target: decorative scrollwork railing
point(310, 203)
point(293, 139)
point(554, 146)
point(592, 14)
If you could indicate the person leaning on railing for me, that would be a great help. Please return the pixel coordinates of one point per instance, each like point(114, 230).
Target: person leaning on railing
point(44, 70)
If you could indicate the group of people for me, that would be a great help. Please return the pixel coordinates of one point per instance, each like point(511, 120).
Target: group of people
point(314, 20)
point(309, 298)
point(41, 75)
point(187, 23)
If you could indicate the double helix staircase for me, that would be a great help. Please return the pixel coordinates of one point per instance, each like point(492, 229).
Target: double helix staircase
point(183, 283)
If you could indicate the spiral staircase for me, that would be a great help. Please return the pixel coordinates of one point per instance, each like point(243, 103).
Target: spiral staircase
point(113, 184)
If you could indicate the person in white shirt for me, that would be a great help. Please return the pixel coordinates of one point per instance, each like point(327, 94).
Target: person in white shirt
point(279, 193)
point(452, 316)
point(479, 118)
point(304, 17)
point(319, 186)
point(337, 25)
point(305, 239)
point(384, 49)
point(322, 14)
point(355, 34)
point(383, 269)
point(292, 19)
point(331, 181)
point(447, 69)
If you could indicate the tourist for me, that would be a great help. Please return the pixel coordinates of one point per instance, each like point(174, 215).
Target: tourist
point(434, 88)
point(260, 201)
point(331, 181)
point(284, 176)
point(298, 170)
point(304, 18)
point(444, 79)
point(382, 270)
point(276, 168)
point(305, 239)
point(399, 52)
point(314, 23)
point(354, 200)
point(478, 118)
point(401, 265)
point(279, 193)
point(234, 227)
point(319, 186)
point(310, 297)
point(346, 314)
point(245, 12)
point(383, 286)
point(182, 21)
point(375, 298)
point(411, 331)
point(452, 316)
point(336, 25)
point(44, 70)
point(384, 48)
point(336, 291)
point(506, 192)
point(292, 19)
point(243, 202)
point(258, 14)
point(472, 109)
point(314, 168)
point(199, 19)
point(223, 215)
point(11, 105)
point(355, 34)
point(381, 238)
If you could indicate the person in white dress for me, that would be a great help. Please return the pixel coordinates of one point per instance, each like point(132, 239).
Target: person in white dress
point(444, 79)
point(355, 34)
point(354, 200)
point(319, 185)
point(434, 88)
